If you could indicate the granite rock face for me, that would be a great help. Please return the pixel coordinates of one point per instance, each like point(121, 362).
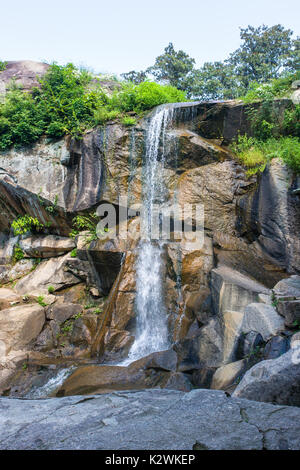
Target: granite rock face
point(148, 419)
point(275, 380)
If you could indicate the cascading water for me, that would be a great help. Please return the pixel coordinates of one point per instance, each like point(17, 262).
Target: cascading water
point(151, 319)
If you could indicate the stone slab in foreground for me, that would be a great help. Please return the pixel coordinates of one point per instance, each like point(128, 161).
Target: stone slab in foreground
point(148, 419)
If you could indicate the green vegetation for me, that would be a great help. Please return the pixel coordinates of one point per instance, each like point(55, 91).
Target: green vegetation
point(36, 262)
point(145, 96)
point(67, 327)
point(73, 253)
point(69, 101)
point(97, 311)
point(296, 324)
point(53, 208)
point(86, 222)
point(173, 67)
point(18, 254)
point(90, 305)
point(128, 121)
point(40, 301)
point(255, 154)
point(273, 88)
point(51, 290)
point(2, 65)
point(25, 224)
point(265, 53)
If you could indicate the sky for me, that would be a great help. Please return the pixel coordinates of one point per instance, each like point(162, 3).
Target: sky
point(117, 36)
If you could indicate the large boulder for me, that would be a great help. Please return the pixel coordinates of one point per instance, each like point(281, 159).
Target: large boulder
point(155, 370)
point(289, 287)
point(46, 246)
point(274, 380)
point(62, 312)
point(233, 291)
point(20, 325)
point(290, 310)
point(271, 215)
point(226, 375)
point(277, 346)
point(12, 272)
point(202, 351)
point(48, 273)
point(263, 319)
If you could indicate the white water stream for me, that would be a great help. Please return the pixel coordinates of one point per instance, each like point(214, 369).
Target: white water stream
point(151, 316)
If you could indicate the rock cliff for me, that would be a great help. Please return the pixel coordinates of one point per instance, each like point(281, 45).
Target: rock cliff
point(70, 302)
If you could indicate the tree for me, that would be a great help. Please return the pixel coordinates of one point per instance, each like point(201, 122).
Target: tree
point(173, 67)
point(263, 53)
point(135, 77)
point(214, 80)
point(293, 62)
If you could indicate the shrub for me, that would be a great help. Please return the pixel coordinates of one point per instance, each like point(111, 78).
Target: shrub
point(128, 121)
point(21, 120)
point(18, 253)
point(254, 154)
point(276, 88)
point(73, 253)
point(25, 224)
point(51, 290)
point(40, 301)
point(144, 96)
point(88, 223)
point(249, 153)
point(3, 65)
point(69, 101)
point(102, 115)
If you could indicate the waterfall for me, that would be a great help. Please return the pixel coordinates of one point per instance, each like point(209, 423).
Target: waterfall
point(151, 315)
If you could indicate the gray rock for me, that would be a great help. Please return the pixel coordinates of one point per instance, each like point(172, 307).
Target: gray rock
point(178, 381)
point(277, 346)
point(288, 287)
point(233, 291)
point(25, 73)
point(249, 343)
point(202, 378)
point(262, 318)
point(226, 375)
point(148, 419)
point(294, 338)
point(204, 350)
point(46, 246)
point(290, 310)
point(275, 380)
point(50, 272)
point(62, 312)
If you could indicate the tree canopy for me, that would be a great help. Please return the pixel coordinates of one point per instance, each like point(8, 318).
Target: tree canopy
point(265, 53)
